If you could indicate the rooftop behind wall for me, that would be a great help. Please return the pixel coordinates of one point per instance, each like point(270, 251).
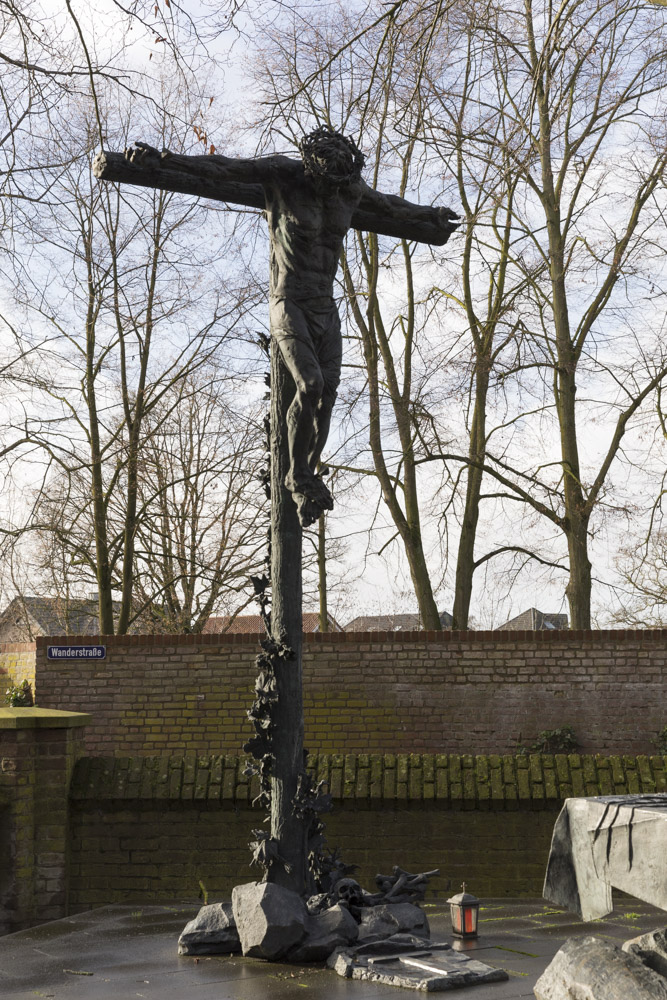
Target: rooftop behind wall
point(420, 692)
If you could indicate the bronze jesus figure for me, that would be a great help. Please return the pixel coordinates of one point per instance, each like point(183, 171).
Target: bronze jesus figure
point(309, 205)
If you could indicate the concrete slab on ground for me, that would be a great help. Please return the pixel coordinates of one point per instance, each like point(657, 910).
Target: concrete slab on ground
point(126, 952)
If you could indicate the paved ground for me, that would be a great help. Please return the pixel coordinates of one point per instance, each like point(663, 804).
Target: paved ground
point(126, 952)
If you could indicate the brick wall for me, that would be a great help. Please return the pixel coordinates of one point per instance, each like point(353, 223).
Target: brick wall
point(38, 750)
point(476, 692)
point(150, 829)
point(137, 852)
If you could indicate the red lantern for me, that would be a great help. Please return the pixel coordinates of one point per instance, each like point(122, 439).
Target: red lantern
point(464, 909)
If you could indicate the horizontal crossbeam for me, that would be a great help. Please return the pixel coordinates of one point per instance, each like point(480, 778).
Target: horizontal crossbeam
point(115, 167)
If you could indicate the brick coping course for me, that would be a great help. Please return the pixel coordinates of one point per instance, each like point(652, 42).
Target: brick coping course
point(477, 782)
point(499, 637)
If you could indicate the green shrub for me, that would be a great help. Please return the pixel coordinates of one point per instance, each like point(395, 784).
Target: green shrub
point(19, 695)
point(560, 740)
point(660, 741)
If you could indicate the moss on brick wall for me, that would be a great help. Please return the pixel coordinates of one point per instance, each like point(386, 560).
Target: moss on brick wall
point(476, 782)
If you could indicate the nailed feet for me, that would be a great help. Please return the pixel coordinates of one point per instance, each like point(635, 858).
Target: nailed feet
point(311, 497)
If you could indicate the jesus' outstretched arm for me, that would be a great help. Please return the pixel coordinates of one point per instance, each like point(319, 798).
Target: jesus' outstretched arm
point(223, 178)
point(211, 167)
point(394, 216)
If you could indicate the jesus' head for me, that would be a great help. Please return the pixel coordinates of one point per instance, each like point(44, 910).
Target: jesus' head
point(331, 156)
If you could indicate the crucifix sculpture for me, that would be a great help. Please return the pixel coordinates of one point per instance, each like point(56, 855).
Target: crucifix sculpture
point(309, 205)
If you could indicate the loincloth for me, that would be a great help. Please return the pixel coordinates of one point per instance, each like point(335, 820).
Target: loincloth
point(314, 326)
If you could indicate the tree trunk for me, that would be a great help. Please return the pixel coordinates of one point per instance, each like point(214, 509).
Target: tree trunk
point(465, 562)
point(134, 424)
point(103, 570)
point(286, 628)
point(575, 520)
point(322, 573)
point(127, 575)
point(408, 522)
point(578, 590)
point(102, 567)
point(421, 581)
point(412, 536)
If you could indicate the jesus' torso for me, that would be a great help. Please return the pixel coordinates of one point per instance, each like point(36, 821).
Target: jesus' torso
point(308, 221)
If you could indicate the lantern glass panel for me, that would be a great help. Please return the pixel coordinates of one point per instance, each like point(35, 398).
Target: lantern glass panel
point(464, 910)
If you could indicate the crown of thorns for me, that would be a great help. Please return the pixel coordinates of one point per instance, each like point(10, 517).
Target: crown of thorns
point(317, 148)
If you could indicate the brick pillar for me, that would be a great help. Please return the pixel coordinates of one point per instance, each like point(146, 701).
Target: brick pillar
point(38, 749)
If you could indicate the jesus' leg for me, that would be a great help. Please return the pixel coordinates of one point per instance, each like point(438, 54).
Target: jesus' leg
point(330, 358)
point(289, 327)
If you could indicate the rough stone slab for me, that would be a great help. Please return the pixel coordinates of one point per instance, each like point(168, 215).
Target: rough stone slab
point(617, 841)
point(433, 968)
point(591, 968)
point(325, 932)
point(380, 922)
point(270, 919)
point(211, 932)
point(651, 949)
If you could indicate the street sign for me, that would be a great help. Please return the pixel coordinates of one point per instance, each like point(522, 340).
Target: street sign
point(76, 652)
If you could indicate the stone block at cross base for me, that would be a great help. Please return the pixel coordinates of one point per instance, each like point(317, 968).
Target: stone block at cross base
point(211, 932)
point(651, 948)
point(380, 922)
point(325, 932)
point(593, 969)
point(270, 919)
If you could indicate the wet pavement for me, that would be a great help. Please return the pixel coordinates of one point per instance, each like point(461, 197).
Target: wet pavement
point(130, 951)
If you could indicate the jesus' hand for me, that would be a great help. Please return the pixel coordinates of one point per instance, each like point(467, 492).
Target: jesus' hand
point(446, 219)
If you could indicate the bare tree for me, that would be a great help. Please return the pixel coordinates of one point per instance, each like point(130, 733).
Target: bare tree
point(583, 77)
point(642, 595)
point(200, 532)
point(557, 96)
point(197, 523)
point(133, 320)
point(470, 136)
point(531, 108)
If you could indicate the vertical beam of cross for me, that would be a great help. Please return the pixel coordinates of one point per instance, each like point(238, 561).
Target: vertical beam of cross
point(287, 629)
